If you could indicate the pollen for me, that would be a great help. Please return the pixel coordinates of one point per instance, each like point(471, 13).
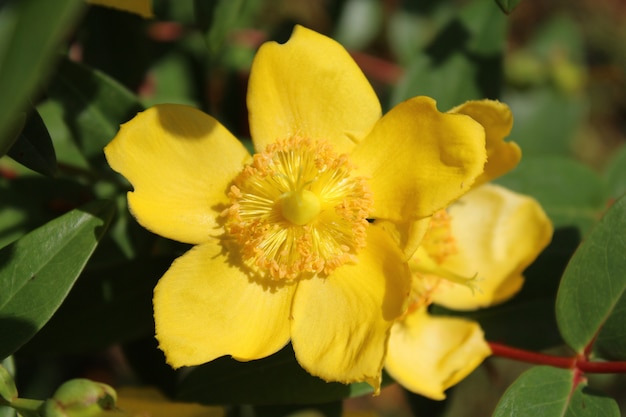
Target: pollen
point(438, 246)
point(297, 210)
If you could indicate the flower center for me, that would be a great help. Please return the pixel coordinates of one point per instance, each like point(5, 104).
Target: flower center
point(429, 264)
point(297, 210)
point(300, 206)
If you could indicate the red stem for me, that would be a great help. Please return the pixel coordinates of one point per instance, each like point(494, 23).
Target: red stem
point(532, 357)
point(579, 362)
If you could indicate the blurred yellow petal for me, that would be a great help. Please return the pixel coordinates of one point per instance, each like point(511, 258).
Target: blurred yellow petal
point(418, 160)
point(498, 234)
point(497, 120)
point(141, 7)
point(168, 153)
point(205, 306)
point(309, 87)
point(150, 402)
point(428, 355)
point(341, 323)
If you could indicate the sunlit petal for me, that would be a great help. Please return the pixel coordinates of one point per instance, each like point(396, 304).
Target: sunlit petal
point(427, 355)
point(498, 234)
point(168, 153)
point(341, 324)
point(497, 120)
point(309, 87)
point(206, 306)
point(418, 160)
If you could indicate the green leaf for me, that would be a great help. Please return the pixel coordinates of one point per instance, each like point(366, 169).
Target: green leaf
point(462, 63)
point(616, 174)
point(359, 23)
point(118, 298)
point(219, 18)
point(33, 147)
point(570, 192)
point(38, 270)
point(594, 282)
point(29, 201)
point(507, 6)
point(94, 107)
point(277, 379)
point(547, 392)
point(30, 32)
point(546, 121)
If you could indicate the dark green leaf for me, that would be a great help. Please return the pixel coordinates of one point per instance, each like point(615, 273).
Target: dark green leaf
point(507, 6)
point(218, 19)
point(277, 379)
point(30, 201)
point(462, 63)
point(547, 392)
point(593, 284)
point(33, 147)
point(94, 107)
point(38, 270)
point(30, 32)
point(570, 192)
point(106, 306)
point(546, 121)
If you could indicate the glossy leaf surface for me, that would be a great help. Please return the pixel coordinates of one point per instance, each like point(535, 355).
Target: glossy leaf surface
point(38, 270)
point(593, 285)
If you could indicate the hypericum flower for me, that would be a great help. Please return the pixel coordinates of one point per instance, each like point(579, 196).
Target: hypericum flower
point(486, 239)
point(290, 243)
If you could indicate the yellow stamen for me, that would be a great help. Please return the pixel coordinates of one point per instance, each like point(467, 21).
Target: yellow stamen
point(297, 210)
point(439, 244)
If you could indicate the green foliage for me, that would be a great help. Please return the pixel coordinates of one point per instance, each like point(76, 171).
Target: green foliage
point(591, 293)
point(38, 270)
point(548, 392)
point(29, 35)
point(70, 76)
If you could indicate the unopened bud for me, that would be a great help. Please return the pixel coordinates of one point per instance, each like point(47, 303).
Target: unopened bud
point(80, 398)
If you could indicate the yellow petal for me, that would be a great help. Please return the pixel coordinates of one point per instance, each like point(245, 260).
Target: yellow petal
point(428, 355)
point(309, 87)
point(180, 162)
point(498, 234)
point(497, 120)
point(141, 7)
point(150, 402)
point(408, 235)
point(341, 323)
point(418, 160)
point(205, 306)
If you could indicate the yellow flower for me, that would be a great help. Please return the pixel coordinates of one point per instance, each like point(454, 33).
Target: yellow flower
point(484, 241)
point(288, 242)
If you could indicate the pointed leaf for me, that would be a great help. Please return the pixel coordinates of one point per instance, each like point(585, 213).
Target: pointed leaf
point(38, 270)
point(547, 392)
point(30, 32)
point(94, 107)
point(8, 391)
point(594, 284)
point(33, 147)
point(507, 6)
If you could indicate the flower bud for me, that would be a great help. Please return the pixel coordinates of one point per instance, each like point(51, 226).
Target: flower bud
point(80, 398)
